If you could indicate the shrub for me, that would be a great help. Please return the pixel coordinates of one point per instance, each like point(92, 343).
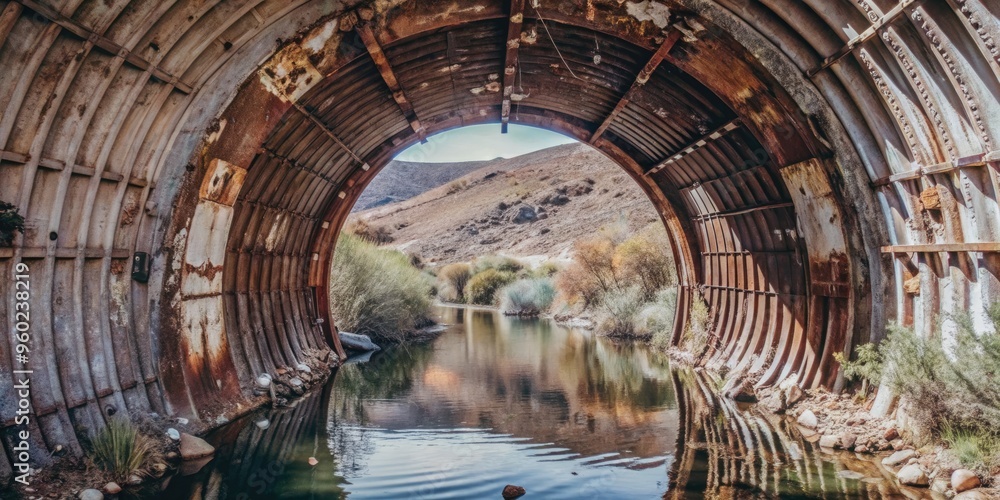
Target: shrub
point(643, 259)
point(453, 278)
point(498, 262)
point(121, 450)
point(376, 292)
point(656, 318)
point(951, 388)
point(379, 235)
point(867, 366)
point(617, 314)
point(11, 222)
point(527, 297)
point(456, 186)
point(483, 287)
point(548, 269)
point(697, 333)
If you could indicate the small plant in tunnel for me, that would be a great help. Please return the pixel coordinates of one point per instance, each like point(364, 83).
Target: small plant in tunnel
point(121, 450)
point(11, 223)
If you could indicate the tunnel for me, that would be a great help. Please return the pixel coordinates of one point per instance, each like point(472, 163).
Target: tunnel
point(184, 168)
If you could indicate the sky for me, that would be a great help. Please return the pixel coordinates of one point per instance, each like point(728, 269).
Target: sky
point(482, 142)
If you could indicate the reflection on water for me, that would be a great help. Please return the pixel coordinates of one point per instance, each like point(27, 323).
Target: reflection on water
point(498, 400)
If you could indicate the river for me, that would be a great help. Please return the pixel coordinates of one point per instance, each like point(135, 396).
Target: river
point(495, 400)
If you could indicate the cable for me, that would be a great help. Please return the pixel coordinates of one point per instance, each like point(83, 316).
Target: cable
point(539, 15)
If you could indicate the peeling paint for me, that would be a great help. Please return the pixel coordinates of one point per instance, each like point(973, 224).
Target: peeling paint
point(223, 182)
point(649, 10)
point(289, 74)
point(316, 39)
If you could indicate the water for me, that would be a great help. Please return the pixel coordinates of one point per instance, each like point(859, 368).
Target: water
point(495, 401)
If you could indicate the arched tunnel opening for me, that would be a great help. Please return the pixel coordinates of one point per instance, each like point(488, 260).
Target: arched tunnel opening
point(821, 169)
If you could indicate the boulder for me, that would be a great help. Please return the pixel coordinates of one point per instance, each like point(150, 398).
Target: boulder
point(793, 395)
point(912, 475)
point(899, 457)
point(829, 441)
point(91, 494)
point(112, 488)
point(891, 434)
point(964, 480)
point(193, 447)
point(511, 491)
point(524, 214)
point(808, 420)
point(848, 440)
point(356, 342)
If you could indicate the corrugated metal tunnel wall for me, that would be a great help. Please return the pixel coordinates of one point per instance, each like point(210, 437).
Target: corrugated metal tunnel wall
point(822, 168)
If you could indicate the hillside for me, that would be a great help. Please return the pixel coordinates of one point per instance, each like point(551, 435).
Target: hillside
point(535, 205)
point(402, 180)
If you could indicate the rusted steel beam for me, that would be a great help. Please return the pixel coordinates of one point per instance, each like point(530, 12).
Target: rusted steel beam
point(640, 80)
point(514, 24)
point(106, 44)
point(329, 133)
point(772, 206)
point(863, 37)
point(978, 160)
point(364, 30)
point(694, 145)
point(985, 247)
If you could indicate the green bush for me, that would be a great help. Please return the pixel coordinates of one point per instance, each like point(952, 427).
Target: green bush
point(656, 318)
point(376, 291)
point(618, 310)
point(527, 297)
point(483, 286)
point(697, 332)
point(121, 450)
point(498, 262)
point(866, 367)
point(453, 279)
point(951, 388)
point(11, 222)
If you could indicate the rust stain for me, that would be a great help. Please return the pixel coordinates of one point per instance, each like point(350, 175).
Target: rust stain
point(222, 183)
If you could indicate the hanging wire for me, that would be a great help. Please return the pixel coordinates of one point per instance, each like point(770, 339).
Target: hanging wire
point(546, 26)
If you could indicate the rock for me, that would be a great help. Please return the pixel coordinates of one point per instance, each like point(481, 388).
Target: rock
point(897, 444)
point(829, 441)
point(263, 424)
point(173, 434)
point(357, 342)
point(964, 480)
point(511, 491)
point(793, 395)
point(891, 434)
point(182, 421)
point(302, 367)
point(898, 457)
point(742, 392)
point(313, 461)
point(295, 382)
point(847, 441)
point(264, 380)
point(808, 420)
point(912, 475)
point(91, 494)
point(112, 488)
point(193, 447)
point(861, 449)
point(979, 494)
point(133, 480)
point(524, 214)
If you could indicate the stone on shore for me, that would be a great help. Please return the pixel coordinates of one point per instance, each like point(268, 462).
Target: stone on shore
point(899, 457)
point(193, 447)
point(808, 420)
point(964, 480)
point(912, 475)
